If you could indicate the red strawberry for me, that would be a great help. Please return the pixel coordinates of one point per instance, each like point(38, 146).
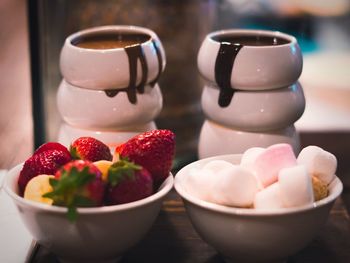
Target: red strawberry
point(46, 162)
point(91, 149)
point(128, 182)
point(51, 146)
point(77, 184)
point(154, 150)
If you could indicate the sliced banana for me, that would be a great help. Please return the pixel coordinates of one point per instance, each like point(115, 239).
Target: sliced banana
point(38, 186)
point(103, 166)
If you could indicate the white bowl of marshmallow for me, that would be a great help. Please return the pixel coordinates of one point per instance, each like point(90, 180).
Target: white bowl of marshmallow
point(263, 205)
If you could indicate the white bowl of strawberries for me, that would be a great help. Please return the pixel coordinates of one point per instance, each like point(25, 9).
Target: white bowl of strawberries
point(87, 205)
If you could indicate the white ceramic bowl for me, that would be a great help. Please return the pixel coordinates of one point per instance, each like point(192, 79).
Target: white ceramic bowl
point(249, 235)
point(216, 139)
point(262, 110)
point(100, 234)
point(255, 67)
point(67, 134)
point(106, 69)
point(93, 109)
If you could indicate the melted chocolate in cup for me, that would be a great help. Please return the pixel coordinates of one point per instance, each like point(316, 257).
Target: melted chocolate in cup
point(132, 44)
point(230, 45)
point(110, 40)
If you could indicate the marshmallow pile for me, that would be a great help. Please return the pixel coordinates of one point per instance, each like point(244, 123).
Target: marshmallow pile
point(266, 178)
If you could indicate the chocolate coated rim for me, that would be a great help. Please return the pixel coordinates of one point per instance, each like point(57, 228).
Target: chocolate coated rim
point(178, 184)
point(110, 29)
point(249, 32)
point(10, 176)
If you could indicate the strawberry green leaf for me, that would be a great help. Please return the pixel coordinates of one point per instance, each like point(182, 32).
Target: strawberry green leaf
point(68, 190)
point(53, 182)
point(118, 170)
point(82, 201)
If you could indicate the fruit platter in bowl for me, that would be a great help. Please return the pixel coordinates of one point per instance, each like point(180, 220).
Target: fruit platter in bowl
point(86, 204)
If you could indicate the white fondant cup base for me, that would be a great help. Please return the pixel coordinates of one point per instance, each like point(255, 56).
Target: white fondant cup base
point(215, 139)
point(256, 110)
point(68, 134)
point(255, 67)
point(93, 109)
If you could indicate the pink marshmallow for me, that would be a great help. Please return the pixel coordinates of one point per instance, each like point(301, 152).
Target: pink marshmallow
point(274, 158)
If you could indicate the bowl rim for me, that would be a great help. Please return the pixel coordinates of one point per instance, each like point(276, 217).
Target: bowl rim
point(109, 29)
point(336, 184)
point(256, 32)
point(13, 174)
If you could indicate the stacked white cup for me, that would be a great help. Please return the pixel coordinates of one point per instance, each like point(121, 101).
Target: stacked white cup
point(251, 96)
point(110, 92)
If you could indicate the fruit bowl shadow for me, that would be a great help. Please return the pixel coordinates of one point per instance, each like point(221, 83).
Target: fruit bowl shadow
point(100, 234)
point(250, 235)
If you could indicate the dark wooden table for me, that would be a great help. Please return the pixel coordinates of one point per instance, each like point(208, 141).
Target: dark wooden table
point(173, 239)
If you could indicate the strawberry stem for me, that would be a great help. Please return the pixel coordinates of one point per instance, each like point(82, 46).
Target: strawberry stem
point(74, 153)
point(72, 214)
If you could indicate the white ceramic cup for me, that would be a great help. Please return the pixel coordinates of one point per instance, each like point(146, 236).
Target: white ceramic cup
point(93, 109)
point(216, 139)
point(255, 67)
point(109, 69)
point(67, 134)
point(263, 110)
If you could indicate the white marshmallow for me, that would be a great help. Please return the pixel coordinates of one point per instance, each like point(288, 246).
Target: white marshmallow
point(295, 186)
point(268, 198)
point(248, 159)
point(235, 186)
point(274, 158)
point(319, 163)
point(217, 165)
point(200, 183)
point(249, 156)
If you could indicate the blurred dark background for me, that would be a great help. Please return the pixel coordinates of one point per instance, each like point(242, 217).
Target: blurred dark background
point(32, 34)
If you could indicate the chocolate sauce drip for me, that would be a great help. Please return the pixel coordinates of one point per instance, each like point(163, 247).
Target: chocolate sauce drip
point(112, 93)
point(136, 53)
point(130, 93)
point(159, 57)
point(223, 69)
